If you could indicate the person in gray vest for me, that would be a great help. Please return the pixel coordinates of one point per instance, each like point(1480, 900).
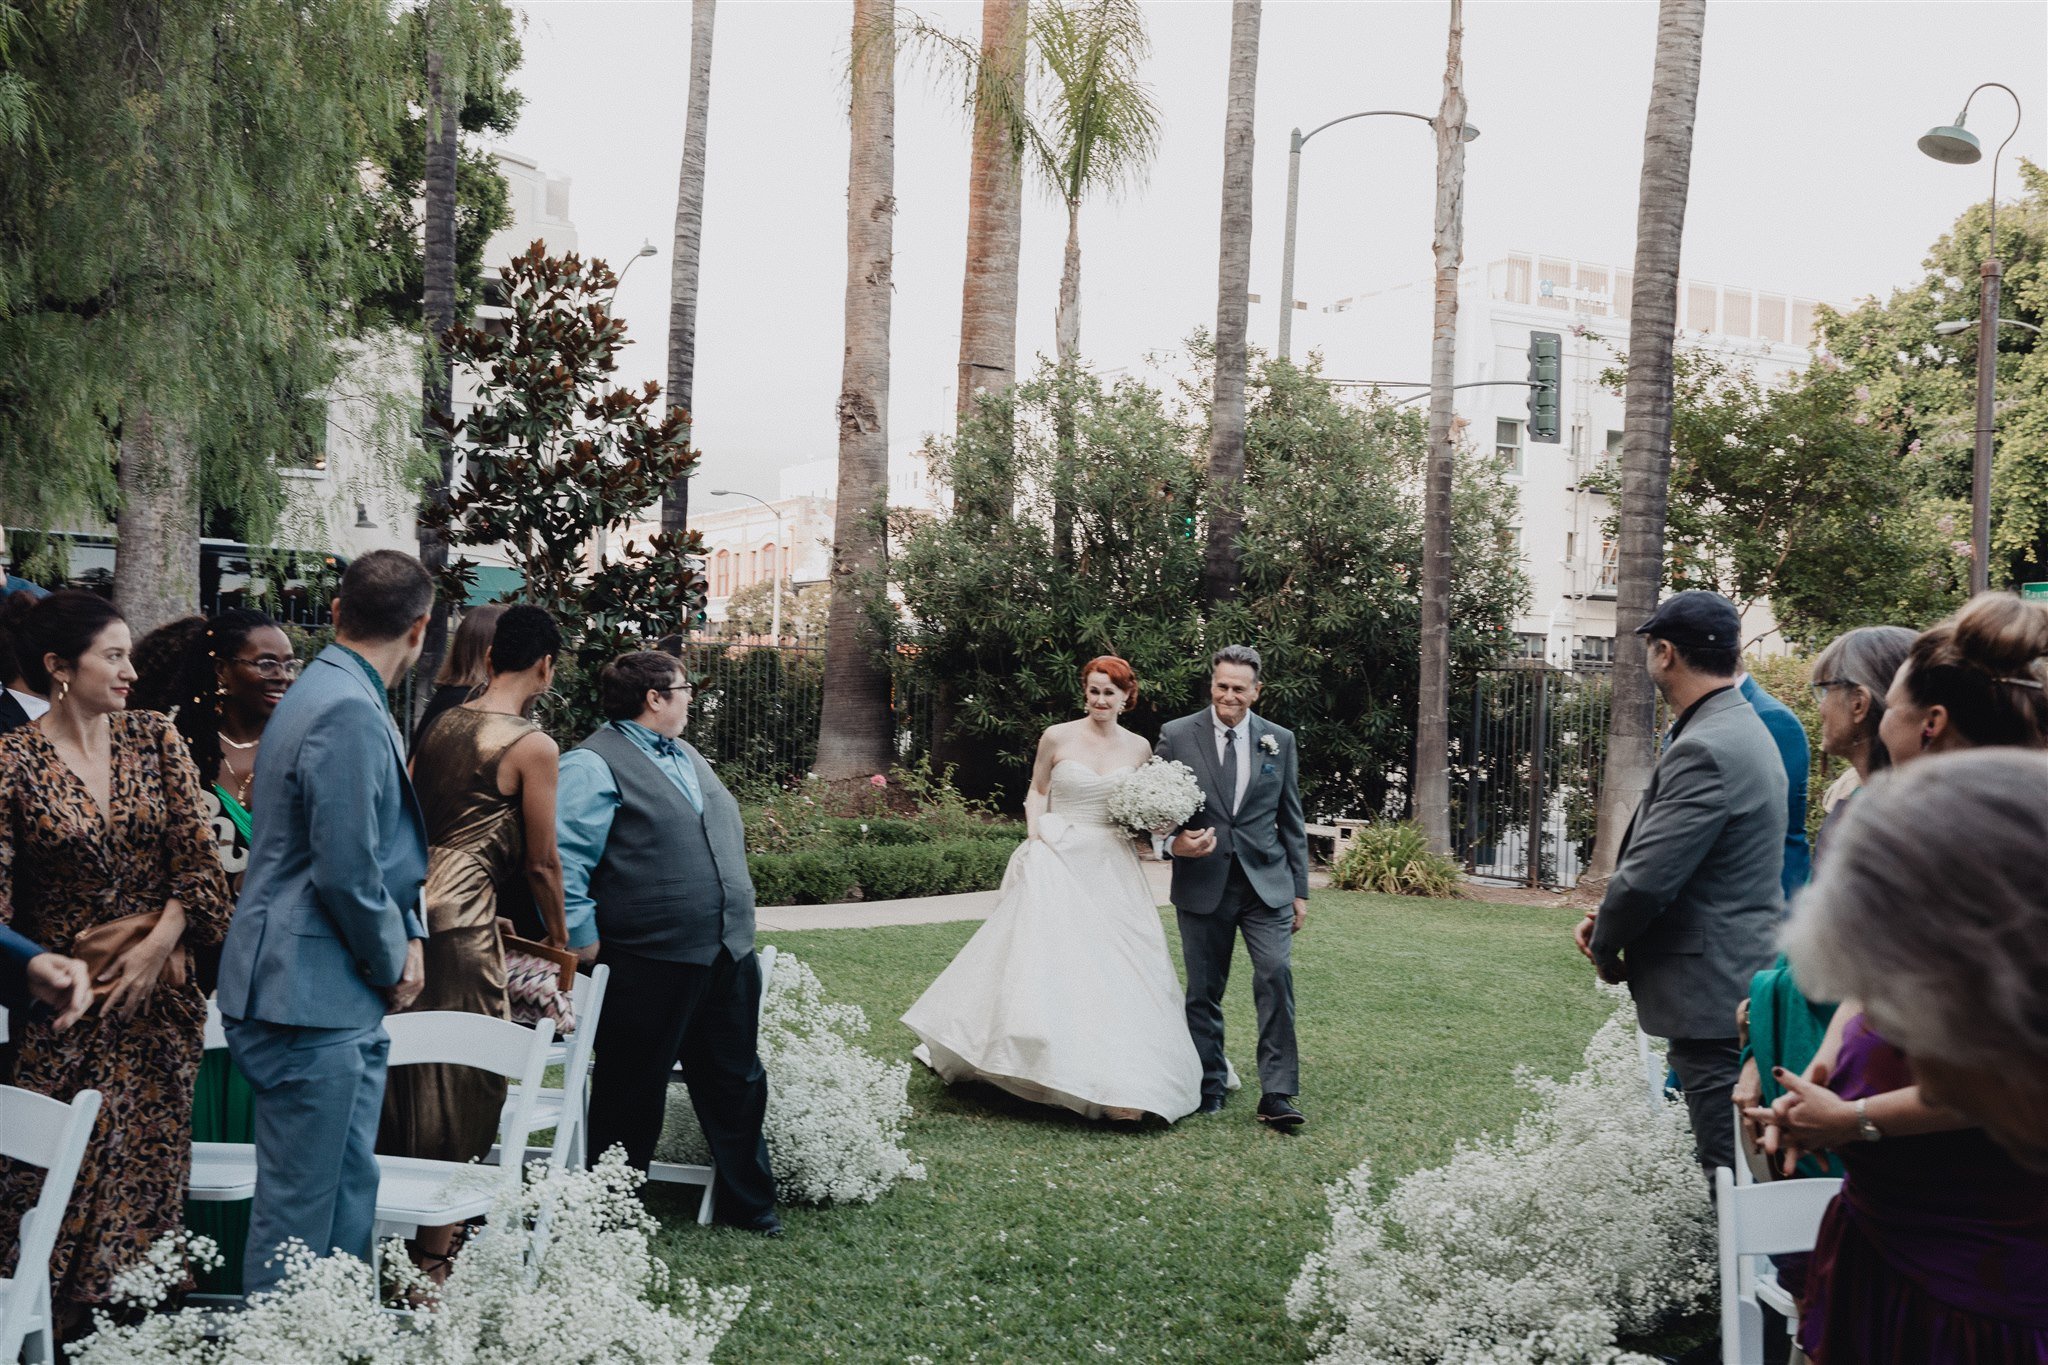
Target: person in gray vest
point(654, 875)
point(1691, 912)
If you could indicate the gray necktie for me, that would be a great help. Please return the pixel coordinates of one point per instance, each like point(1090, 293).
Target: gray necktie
point(1230, 769)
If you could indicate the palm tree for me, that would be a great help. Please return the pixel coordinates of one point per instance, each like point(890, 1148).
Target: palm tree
point(683, 269)
point(857, 731)
point(1432, 721)
point(1646, 423)
point(1233, 280)
point(995, 207)
point(437, 381)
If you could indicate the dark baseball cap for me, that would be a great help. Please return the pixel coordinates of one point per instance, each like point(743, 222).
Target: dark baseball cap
point(1696, 619)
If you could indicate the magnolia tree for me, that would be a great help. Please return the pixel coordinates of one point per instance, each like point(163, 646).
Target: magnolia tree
point(1589, 1222)
point(835, 1110)
point(559, 464)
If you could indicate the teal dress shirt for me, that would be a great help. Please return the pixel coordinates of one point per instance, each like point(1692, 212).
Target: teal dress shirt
point(586, 798)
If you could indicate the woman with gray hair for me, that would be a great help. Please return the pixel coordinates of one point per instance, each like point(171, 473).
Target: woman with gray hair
point(1936, 1250)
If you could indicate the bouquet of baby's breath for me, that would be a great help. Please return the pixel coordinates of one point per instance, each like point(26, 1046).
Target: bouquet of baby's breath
point(1159, 797)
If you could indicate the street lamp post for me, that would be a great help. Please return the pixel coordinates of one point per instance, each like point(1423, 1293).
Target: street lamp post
point(775, 584)
point(1958, 146)
point(1296, 142)
point(646, 249)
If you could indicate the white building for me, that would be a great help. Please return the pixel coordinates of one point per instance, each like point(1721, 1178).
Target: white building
point(1383, 336)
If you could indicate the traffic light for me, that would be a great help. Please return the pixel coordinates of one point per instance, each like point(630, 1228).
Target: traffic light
point(1546, 364)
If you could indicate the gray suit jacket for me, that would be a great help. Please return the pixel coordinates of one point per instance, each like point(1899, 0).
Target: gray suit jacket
point(1266, 834)
point(1694, 902)
point(340, 854)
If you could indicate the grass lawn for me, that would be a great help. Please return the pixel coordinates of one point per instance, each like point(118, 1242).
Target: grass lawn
point(1041, 1238)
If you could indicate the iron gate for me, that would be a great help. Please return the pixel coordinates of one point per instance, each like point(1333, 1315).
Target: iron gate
point(1526, 786)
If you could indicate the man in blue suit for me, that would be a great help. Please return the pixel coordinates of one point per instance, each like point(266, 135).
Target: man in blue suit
point(30, 973)
point(326, 937)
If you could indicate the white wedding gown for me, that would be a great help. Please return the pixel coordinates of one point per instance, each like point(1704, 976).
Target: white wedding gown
point(1066, 996)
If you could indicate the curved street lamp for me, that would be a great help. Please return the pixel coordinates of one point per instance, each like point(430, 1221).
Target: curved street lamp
point(1958, 146)
point(1296, 142)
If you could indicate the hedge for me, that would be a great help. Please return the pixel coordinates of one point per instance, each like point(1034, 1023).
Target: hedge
point(877, 872)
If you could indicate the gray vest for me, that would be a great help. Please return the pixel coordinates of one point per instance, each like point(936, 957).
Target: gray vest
point(672, 884)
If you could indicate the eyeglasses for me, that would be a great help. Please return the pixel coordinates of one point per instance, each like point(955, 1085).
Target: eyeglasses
point(685, 688)
point(1821, 686)
point(270, 668)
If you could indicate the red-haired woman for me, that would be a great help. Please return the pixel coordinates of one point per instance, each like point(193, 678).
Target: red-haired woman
point(1067, 996)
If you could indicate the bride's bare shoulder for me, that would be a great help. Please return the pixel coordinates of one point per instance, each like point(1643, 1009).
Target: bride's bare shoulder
point(1053, 737)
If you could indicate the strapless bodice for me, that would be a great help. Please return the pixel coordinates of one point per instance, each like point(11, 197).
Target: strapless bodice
point(1080, 795)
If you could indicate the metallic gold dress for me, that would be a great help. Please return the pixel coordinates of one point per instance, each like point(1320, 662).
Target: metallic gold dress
point(476, 871)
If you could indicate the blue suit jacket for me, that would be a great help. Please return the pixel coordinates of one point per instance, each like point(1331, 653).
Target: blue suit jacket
point(1797, 756)
point(340, 853)
point(15, 951)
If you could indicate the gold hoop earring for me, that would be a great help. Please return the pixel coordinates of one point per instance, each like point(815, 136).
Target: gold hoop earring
point(63, 690)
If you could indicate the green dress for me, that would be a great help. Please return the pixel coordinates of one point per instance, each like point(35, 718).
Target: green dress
point(223, 1107)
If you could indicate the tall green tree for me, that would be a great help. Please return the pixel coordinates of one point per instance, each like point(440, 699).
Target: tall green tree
point(857, 730)
point(1921, 385)
point(188, 235)
point(1646, 422)
point(1220, 570)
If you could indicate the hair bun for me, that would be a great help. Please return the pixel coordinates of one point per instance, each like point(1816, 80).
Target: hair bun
point(2003, 635)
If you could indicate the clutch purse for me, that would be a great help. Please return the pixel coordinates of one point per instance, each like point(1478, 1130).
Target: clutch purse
point(540, 983)
point(99, 947)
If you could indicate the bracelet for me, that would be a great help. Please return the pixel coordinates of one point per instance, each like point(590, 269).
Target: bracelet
point(1865, 1128)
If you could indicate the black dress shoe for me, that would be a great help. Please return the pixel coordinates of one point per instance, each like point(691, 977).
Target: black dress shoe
point(1211, 1104)
point(1278, 1111)
point(770, 1226)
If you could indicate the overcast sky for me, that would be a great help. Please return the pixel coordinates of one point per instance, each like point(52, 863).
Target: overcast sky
point(1805, 179)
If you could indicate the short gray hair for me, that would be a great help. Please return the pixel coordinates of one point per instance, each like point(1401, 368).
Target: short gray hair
point(1238, 654)
point(1928, 908)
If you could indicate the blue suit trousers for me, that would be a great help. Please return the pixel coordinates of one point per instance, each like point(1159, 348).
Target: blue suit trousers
point(319, 1093)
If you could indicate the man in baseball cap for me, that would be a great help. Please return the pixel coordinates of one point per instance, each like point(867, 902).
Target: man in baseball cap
point(1691, 912)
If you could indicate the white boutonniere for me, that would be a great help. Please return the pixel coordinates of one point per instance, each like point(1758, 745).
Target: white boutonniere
point(1270, 743)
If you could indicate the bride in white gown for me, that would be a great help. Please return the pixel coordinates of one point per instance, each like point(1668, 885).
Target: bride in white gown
point(1066, 996)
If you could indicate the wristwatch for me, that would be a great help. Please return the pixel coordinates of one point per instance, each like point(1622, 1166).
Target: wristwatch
point(1866, 1129)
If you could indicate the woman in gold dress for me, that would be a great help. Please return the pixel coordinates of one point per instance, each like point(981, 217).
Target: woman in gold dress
point(486, 781)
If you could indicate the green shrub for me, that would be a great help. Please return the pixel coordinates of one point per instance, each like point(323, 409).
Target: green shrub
point(877, 833)
point(1393, 858)
point(877, 872)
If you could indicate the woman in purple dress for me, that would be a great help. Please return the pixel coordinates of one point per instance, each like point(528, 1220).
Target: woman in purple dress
point(1936, 1250)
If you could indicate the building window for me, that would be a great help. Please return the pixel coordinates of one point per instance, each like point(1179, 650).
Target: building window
point(1571, 547)
point(721, 582)
point(1593, 649)
point(1507, 443)
point(753, 566)
point(769, 560)
point(1610, 566)
point(1614, 447)
point(1511, 541)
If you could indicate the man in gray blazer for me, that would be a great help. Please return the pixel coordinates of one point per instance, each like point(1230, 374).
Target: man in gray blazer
point(654, 872)
point(1691, 912)
point(325, 938)
point(1241, 867)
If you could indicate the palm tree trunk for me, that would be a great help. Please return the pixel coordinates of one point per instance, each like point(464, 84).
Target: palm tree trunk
point(1646, 420)
point(1432, 721)
point(156, 568)
point(438, 378)
point(1220, 564)
point(857, 732)
point(995, 216)
point(684, 263)
point(1067, 341)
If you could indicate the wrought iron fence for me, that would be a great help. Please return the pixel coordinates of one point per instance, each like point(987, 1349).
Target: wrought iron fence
point(1526, 784)
point(758, 708)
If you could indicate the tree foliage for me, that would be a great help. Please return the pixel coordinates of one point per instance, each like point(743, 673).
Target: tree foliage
point(555, 457)
point(1795, 492)
point(1921, 388)
point(1332, 557)
point(750, 612)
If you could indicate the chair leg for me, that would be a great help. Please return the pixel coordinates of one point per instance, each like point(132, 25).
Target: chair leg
point(704, 1209)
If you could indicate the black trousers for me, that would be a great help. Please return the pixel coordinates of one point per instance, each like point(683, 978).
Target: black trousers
point(1707, 1070)
point(657, 1014)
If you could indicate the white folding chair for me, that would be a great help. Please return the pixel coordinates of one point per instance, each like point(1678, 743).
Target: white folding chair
point(679, 1173)
point(567, 1109)
point(1653, 1070)
point(1757, 1222)
point(51, 1134)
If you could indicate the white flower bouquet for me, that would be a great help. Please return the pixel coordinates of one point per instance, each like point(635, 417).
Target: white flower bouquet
point(1159, 797)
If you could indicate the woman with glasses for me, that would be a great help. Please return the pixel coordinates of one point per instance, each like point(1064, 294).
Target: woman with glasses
point(233, 674)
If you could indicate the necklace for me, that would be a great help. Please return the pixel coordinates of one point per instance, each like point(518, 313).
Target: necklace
point(241, 746)
point(242, 781)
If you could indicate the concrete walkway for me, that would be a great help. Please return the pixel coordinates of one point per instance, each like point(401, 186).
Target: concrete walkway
point(974, 905)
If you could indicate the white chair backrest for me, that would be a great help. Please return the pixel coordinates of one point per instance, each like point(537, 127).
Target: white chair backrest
point(499, 1046)
point(1653, 1069)
point(216, 1033)
point(767, 956)
point(51, 1134)
point(589, 996)
point(1769, 1219)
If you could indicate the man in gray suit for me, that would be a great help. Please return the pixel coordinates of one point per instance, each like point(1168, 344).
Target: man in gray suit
point(654, 872)
point(1241, 867)
point(1691, 912)
point(326, 936)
